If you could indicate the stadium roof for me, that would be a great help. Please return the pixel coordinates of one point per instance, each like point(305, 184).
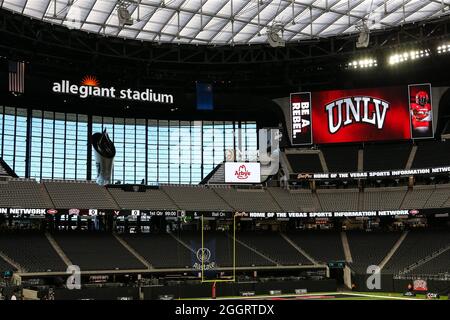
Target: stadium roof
point(227, 22)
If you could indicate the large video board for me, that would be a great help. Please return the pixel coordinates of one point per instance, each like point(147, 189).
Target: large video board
point(362, 115)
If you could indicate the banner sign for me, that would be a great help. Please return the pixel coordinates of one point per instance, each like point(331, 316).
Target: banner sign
point(43, 213)
point(343, 214)
point(23, 213)
point(330, 214)
point(242, 172)
point(300, 107)
point(340, 214)
point(421, 112)
point(361, 115)
point(371, 174)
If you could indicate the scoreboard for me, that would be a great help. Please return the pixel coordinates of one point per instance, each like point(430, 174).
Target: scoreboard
point(361, 115)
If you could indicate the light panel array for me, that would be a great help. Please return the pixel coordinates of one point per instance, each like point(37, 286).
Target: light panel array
point(408, 56)
point(445, 48)
point(362, 64)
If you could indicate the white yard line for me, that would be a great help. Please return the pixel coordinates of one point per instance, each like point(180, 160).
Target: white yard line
point(315, 294)
point(377, 296)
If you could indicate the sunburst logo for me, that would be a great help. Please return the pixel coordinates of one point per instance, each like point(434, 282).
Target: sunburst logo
point(90, 81)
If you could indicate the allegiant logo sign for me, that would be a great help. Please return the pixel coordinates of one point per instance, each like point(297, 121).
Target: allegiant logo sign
point(90, 88)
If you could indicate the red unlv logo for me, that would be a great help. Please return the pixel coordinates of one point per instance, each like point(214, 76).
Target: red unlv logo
point(350, 110)
point(358, 115)
point(242, 173)
point(52, 211)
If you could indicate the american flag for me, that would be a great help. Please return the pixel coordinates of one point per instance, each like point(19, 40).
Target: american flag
point(16, 77)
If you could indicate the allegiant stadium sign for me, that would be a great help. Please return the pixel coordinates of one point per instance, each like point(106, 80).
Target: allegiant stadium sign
point(93, 90)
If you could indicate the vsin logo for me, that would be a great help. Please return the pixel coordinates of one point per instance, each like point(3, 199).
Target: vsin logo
point(242, 173)
point(350, 110)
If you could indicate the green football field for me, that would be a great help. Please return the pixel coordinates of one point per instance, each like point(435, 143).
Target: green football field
point(331, 296)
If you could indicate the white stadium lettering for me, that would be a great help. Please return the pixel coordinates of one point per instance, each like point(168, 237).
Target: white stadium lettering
point(85, 91)
point(298, 121)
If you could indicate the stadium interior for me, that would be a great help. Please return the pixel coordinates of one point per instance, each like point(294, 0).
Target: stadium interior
point(186, 170)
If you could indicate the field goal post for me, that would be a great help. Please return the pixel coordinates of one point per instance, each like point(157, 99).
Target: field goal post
point(233, 277)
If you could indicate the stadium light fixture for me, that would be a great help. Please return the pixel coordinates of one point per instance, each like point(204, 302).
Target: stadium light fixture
point(275, 35)
point(362, 64)
point(124, 14)
point(444, 48)
point(364, 36)
point(408, 56)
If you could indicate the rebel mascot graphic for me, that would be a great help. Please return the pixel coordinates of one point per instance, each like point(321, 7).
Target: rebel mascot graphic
point(361, 115)
point(421, 112)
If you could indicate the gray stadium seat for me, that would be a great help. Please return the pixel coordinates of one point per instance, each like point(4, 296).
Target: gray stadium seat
point(23, 193)
point(151, 199)
point(79, 194)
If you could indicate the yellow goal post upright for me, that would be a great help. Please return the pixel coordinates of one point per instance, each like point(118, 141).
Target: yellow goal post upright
point(231, 278)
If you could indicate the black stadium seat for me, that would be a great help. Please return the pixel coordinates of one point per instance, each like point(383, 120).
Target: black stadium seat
point(440, 265)
point(416, 246)
point(341, 158)
point(432, 154)
point(379, 157)
point(274, 246)
point(32, 251)
point(222, 245)
point(370, 248)
point(323, 246)
point(5, 266)
point(97, 251)
point(160, 250)
point(305, 163)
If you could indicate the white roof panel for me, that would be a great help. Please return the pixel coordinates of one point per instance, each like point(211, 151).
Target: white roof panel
point(210, 21)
